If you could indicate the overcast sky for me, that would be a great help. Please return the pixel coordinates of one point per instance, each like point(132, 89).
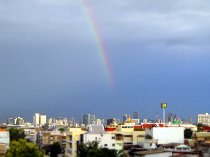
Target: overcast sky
point(158, 51)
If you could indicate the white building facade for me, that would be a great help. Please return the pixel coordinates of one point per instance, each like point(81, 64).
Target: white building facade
point(39, 120)
point(104, 139)
point(204, 118)
point(42, 120)
point(167, 135)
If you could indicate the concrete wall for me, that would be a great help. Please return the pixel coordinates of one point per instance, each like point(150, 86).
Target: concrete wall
point(166, 135)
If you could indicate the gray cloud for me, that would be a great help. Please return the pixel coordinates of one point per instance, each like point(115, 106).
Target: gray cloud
point(146, 21)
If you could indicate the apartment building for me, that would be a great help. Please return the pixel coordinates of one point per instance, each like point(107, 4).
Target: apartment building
point(204, 118)
point(104, 139)
point(76, 136)
point(129, 135)
point(46, 138)
point(73, 138)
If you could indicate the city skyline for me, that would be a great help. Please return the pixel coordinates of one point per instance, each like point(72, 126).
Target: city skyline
point(87, 118)
point(67, 58)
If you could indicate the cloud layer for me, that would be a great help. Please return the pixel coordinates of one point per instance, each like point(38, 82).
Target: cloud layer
point(158, 50)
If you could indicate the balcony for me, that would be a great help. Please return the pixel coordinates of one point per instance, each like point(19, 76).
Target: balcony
point(69, 151)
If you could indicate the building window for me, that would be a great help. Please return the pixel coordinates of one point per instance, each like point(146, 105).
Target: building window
point(96, 138)
point(113, 145)
point(105, 145)
point(70, 137)
point(113, 137)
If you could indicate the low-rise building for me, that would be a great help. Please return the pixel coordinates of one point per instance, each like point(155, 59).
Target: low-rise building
point(129, 135)
point(77, 136)
point(4, 141)
point(204, 118)
point(186, 126)
point(104, 139)
point(203, 136)
point(30, 134)
point(46, 138)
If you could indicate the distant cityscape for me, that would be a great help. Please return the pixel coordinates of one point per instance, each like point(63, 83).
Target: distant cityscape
point(39, 120)
point(131, 134)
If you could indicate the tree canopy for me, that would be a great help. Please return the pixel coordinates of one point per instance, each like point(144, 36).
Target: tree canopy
point(92, 150)
point(16, 134)
point(61, 129)
point(55, 149)
point(21, 148)
point(188, 133)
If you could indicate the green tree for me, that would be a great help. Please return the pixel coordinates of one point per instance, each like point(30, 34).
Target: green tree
point(105, 152)
point(21, 148)
point(55, 149)
point(61, 129)
point(16, 134)
point(188, 133)
point(91, 149)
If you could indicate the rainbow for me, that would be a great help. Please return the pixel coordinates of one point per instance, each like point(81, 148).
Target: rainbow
point(100, 43)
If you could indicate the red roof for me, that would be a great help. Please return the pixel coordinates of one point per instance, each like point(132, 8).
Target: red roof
point(148, 125)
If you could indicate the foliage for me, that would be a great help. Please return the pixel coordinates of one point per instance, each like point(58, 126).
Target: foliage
point(61, 129)
point(55, 149)
point(16, 134)
point(46, 149)
point(21, 148)
point(188, 133)
point(92, 150)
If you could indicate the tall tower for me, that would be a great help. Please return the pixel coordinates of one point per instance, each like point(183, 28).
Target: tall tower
point(164, 106)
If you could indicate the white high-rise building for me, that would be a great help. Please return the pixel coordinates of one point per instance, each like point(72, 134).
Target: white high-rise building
point(39, 120)
point(36, 119)
point(42, 120)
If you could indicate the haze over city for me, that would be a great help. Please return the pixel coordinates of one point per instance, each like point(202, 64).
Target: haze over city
point(67, 58)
